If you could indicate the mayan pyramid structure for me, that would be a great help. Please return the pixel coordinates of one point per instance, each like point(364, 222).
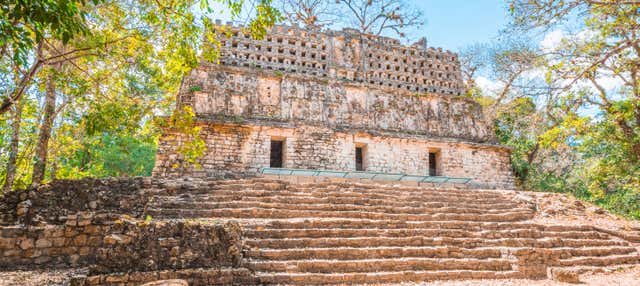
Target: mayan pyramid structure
point(334, 100)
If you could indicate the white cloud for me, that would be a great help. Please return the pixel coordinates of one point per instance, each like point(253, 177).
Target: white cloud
point(552, 40)
point(487, 85)
point(537, 73)
point(610, 83)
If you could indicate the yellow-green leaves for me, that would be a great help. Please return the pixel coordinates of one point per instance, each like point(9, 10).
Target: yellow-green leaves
point(192, 147)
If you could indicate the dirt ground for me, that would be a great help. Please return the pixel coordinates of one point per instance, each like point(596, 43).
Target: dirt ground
point(627, 277)
point(38, 277)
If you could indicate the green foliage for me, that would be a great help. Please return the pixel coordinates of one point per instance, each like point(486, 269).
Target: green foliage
point(193, 147)
point(24, 23)
point(267, 15)
point(595, 127)
point(511, 122)
point(119, 64)
point(107, 156)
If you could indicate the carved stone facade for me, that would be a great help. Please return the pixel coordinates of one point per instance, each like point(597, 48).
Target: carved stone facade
point(324, 94)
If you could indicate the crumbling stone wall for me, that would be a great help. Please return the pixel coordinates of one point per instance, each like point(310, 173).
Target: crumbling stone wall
point(99, 222)
point(73, 243)
point(111, 244)
point(52, 203)
point(310, 147)
point(151, 246)
point(243, 94)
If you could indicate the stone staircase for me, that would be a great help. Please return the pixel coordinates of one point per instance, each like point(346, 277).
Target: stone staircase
point(335, 233)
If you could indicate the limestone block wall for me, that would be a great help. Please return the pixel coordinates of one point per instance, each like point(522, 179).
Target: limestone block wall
point(245, 94)
point(117, 245)
point(98, 222)
point(346, 54)
point(241, 147)
point(73, 243)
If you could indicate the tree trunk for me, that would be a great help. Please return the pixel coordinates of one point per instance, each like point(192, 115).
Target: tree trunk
point(24, 82)
point(13, 148)
point(40, 158)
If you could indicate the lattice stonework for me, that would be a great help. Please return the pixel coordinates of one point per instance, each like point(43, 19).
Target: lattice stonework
point(345, 55)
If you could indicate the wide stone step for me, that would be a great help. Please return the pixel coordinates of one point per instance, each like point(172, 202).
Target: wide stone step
point(326, 233)
point(364, 196)
point(337, 223)
point(426, 241)
point(393, 187)
point(276, 213)
point(379, 277)
point(600, 260)
point(597, 269)
point(566, 253)
point(472, 196)
point(397, 191)
point(371, 265)
point(347, 253)
point(334, 200)
point(278, 185)
point(331, 207)
point(312, 222)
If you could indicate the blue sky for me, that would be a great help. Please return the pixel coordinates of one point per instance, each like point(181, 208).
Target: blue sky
point(453, 24)
point(450, 24)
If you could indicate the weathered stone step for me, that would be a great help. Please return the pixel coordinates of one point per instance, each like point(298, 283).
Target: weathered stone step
point(371, 265)
point(385, 186)
point(600, 260)
point(347, 253)
point(412, 192)
point(277, 185)
point(466, 194)
point(313, 222)
point(428, 232)
point(596, 269)
point(379, 277)
point(365, 196)
point(336, 223)
point(276, 213)
point(332, 207)
point(334, 200)
point(205, 186)
point(568, 252)
point(426, 241)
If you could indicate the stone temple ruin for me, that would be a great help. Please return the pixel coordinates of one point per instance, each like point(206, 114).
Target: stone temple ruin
point(335, 101)
point(300, 99)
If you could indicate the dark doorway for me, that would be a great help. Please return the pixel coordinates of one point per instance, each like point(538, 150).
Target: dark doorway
point(433, 164)
point(276, 154)
point(359, 160)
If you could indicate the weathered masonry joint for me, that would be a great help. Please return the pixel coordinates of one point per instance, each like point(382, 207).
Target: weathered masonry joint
point(335, 100)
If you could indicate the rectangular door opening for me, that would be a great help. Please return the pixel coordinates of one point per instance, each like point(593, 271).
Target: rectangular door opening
point(277, 155)
point(359, 158)
point(433, 164)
